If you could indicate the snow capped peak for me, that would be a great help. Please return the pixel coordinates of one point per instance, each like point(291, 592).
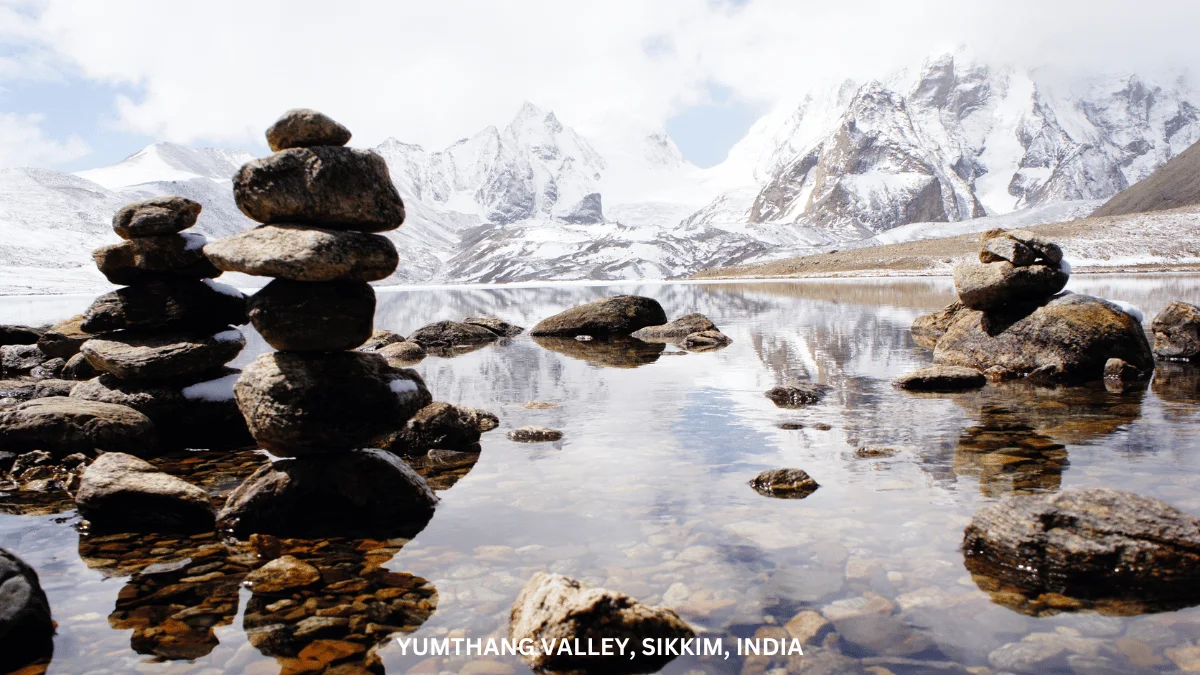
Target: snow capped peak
point(169, 162)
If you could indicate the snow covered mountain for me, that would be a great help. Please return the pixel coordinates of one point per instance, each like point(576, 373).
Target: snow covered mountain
point(536, 200)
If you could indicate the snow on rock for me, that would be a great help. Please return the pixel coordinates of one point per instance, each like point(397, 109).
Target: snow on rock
point(1130, 309)
point(220, 389)
point(224, 289)
point(231, 335)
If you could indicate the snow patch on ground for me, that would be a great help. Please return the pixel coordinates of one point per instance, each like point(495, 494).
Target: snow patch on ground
point(220, 389)
point(223, 289)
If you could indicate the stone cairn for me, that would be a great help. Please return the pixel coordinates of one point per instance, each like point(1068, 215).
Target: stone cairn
point(161, 342)
point(314, 403)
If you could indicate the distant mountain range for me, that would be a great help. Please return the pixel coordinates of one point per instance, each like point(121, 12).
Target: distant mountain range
point(535, 200)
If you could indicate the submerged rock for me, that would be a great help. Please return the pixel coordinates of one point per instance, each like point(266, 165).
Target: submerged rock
point(327, 186)
point(534, 434)
point(615, 316)
point(121, 493)
point(155, 217)
point(142, 356)
point(498, 326)
point(379, 339)
point(999, 284)
point(308, 404)
point(785, 483)
point(155, 258)
point(797, 394)
point(942, 379)
point(314, 316)
point(676, 330)
point(302, 253)
point(445, 335)
point(66, 425)
point(1089, 543)
point(182, 304)
point(553, 608)
point(927, 329)
point(1071, 336)
point(400, 354)
point(281, 575)
point(440, 425)
point(26, 628)
point(360, 491)
point(706, 341)
point(303, 128)
point(1176, 331)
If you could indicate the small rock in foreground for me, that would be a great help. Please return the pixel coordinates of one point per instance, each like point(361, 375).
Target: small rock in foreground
point(942, 379)
point(64, 426)
point(796, 395)
point(26, 628)
point(553, 608)
point(785, 483)
point(533, 434)
point(121, 493)
point(281, 575)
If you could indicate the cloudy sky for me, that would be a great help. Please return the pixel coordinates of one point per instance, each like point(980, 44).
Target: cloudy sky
point(84, 83)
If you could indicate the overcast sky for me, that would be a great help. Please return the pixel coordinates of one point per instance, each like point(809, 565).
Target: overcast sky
point(86, 82)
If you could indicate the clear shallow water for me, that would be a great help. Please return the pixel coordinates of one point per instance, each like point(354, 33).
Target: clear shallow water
point(647, 493)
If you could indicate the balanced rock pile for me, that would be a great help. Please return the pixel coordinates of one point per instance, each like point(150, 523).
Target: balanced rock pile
point(161, 343)
point(314, 401)
point(1012, 321)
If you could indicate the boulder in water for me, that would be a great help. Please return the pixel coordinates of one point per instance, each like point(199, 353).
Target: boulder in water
point(616, 316)
point(325, 186)
point(535, 434)
point(379, 339)
point(927, 329)
point(26, 628)
point(553, 608)
point(438, 425)
point(400, 354)
point(785, 483)
point(156, 216)
point(498, 326)
point(705, 341)
point(676, 330)
point(796, 394)
point(1176, 331)
point(942, 379)
point(121, 493)
point(444, 335)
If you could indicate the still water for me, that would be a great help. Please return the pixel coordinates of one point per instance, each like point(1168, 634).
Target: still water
point(647, 494)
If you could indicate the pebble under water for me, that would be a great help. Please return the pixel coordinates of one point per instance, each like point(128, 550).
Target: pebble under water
point(647, 493)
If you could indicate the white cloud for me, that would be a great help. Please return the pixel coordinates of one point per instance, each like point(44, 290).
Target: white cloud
point(431, 72)
point(23, 143)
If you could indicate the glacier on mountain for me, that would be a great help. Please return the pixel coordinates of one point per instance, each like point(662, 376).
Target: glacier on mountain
point(915, 154)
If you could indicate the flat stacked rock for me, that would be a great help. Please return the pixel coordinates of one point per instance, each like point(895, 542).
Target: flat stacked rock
point(160, 344)
point(316, 401)
point(1013, 321)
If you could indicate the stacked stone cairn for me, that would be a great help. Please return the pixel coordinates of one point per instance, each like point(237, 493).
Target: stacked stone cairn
point(315, 404)
point(1012, 321)
point(161, 342)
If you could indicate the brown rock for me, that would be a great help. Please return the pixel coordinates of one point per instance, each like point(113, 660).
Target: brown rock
point(140, 356)
point(325, 186)
point(282, 575)
point(379, 339)
point(941, 379)
point(400, 354)
point(449, 334)
point(303, 253)
point(313, 316)
point(706, 341)
point(616, 316)
point(437, 425)
point(676, 330)
point(154, 258)
point(498, 326)
point(64, 339)
point(78, 368)
point(927, 329)
point(307, 404)
point(19, 335)
point(64, 425)
point(1176, 331)
point(155, 217)
point(370, 492)
point(1072, 336)
point(552, 607)
point(784, 483)
point(796, 395)
point(178, 304)
point(995, 285)
point(303, 128)
point(533, 434)
point(121, 493)
point(20, 359)
point(996, 245)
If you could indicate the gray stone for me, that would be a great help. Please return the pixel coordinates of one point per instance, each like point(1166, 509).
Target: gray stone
point(140, 356)
point(326, 186)
point(1072, 335)
point(48, 369)
point(796, 395)
point(78, 368)
point(706, 341)
point(882, 634)
point(996, 285)
point(180, 304)
point(309, 404)
point(552, 607)
point(155, 217)
point(402, 354)
point(19, 335)
point(498, 326)
point(379, 339)
point(676, 330)
point(154, 258)
point(1043, 248)
point(66, 425)
point(26, 628)
point(302, 253)
point(785, 483)
point(997, 245)
point(362, 491)
point(54, 387)
point(1029, 657)
point(121, 493)
point(314, 316)
point(303, 128)
point(1176, 331)
point(534, 434)
point(449, 334)
point(616, 316)
point(19, 359)
point(942, 379)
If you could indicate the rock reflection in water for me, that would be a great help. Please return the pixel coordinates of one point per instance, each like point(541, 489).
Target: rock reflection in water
point(1008, 456)
point(1177, 382)
point(615, 352)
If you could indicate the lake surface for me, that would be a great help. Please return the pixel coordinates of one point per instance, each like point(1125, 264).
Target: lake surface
point(647, 492)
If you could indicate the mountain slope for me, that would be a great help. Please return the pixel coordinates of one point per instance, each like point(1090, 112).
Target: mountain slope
point(1174, 184)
